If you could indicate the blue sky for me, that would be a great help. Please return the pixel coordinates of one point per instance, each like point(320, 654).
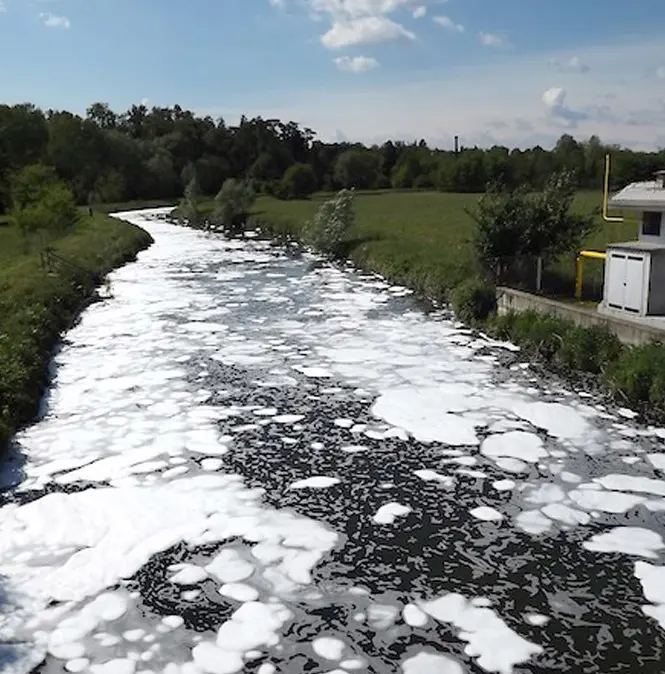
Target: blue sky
point(517, 72)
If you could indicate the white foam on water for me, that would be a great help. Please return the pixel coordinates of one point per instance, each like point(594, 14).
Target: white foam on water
point(605, 501)
point(388, 513)
point(496, 647)
point(419, 412)
point(504, 485)
point(239, 591)
point(431, 663)
point(433, 476)
point(189, 574)
point(633, 483)
point(627, 540)
point(229, 567)
point(414, 616)
point(536, 619)
point(486, 514)
point(559, 420)
point(521, 445)
point(315, 482)
point(652, 579)
point(329, 648)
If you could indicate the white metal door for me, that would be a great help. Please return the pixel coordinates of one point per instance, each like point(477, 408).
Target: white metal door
point(634, 283)
point(616, 274)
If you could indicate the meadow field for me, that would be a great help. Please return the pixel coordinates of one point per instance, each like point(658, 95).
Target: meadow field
point(424, 239)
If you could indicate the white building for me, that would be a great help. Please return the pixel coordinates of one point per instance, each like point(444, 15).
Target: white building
point(635, 270)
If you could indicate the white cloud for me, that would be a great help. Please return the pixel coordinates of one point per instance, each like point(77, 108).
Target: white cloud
point(414, 104)
point(419, 12)
point(555, 101)
point(3, 8)
point(365, 31)
point(52, 21)
point(660, 73)
point(144, 101)
point(356, 64)
point(493, 40)
point(448, 23)
point(280, 4)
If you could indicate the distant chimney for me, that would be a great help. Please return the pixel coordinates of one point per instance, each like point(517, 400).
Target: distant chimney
point(456, 144)
point(660, 179)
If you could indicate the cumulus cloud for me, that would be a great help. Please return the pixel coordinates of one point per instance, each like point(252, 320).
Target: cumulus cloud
point(52, 21)
point(493, 40)
point(356, 64)
point(555, 101)
point(448, 23)
point(3, 8)
point(280, 4)
point(366, 30)
point(419, 12)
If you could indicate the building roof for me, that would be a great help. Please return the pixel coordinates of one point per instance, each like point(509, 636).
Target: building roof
point(643, 196)
point(646, 246)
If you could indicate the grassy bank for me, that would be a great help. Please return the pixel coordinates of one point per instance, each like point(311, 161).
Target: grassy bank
point(36, 306)
point(423, 239)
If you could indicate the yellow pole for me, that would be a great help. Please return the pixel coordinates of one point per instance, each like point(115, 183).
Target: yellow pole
point(606, 193)
point(579, 277)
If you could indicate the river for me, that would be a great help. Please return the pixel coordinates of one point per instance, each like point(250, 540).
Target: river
point(248, 462)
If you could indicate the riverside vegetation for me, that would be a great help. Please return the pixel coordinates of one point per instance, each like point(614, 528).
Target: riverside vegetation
point(52, 257)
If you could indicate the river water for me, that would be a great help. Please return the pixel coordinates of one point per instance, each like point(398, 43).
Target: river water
point(251, 463)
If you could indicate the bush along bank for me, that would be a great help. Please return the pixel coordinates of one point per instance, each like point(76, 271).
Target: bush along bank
point(41, 297)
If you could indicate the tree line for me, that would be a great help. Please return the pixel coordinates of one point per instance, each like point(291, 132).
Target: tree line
point(144, 153)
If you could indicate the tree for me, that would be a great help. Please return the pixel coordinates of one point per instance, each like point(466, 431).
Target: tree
point(357, 169)
point(327, 230)
point(188, 208)
point(298, 182)
point(232, 204)
point(41, 202)
point(516, 223)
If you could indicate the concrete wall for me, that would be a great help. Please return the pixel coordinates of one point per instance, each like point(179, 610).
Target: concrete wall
point(629, 332)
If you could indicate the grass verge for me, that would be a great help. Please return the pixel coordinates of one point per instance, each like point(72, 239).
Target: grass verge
point(36, 306)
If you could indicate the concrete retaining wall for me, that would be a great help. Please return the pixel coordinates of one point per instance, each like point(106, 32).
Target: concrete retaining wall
point(627, 331)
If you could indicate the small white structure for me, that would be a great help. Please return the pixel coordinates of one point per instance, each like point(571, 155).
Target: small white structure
point(635, 270)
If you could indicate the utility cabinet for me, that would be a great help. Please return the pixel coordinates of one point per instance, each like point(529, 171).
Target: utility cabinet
point(635, 278)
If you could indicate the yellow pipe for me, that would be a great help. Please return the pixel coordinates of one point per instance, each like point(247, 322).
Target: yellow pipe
point(579, 268)
point(606, 193)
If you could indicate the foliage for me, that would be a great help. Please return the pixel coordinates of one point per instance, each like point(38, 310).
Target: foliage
point(298, 182)
point(41, 203)
point(188, 208)
point(325, 232)
point(356, 169)
point(474, 300)
point(559, 341)
point(515, 223)
point(639, 376)
point(35, 309)
point(144, 154)
point(232, 204)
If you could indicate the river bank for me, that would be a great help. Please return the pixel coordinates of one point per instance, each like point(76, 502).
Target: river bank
point(37, 304)
point(250, 464)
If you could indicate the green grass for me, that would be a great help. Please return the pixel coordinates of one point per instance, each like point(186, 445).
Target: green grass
point(36, 306)
point(424, 239)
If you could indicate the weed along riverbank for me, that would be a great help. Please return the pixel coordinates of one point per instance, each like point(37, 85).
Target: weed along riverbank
point(43, 288)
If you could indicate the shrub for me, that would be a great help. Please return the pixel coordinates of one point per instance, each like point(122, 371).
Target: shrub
point(52, 214)
point(326, 231)
point(639, 374)
point(474, 300)
point(232, 204)
point(298, 182)
point(589, 349)
point(188, 208)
